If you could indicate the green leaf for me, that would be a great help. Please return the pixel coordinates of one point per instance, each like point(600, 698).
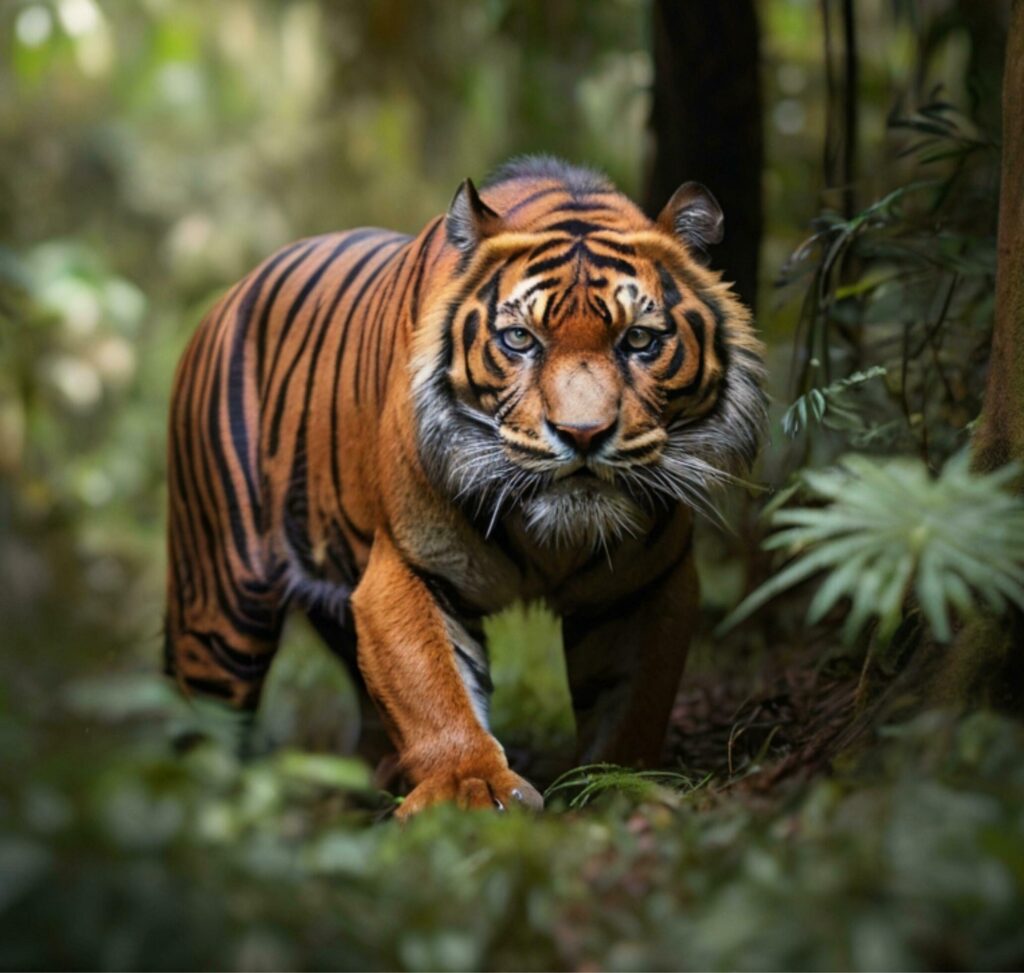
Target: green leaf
point(888, 527)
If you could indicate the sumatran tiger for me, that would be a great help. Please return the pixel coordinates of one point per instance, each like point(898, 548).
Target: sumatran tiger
point(401, 435)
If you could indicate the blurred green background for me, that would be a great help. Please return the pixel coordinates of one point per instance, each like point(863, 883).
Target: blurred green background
point(151, 152)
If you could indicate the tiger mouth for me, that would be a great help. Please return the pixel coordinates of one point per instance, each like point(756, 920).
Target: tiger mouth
point(580, 470)
point(583, 482)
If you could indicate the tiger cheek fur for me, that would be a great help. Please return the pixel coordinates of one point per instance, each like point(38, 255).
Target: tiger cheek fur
point(399, 436)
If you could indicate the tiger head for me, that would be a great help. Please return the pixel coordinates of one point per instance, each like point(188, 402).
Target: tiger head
point(583, 369)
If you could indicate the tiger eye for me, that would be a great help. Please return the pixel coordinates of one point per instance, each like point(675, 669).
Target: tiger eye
point(639, 339)
point(517, 339)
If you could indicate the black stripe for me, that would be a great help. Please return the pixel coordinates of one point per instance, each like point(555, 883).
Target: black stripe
point(210, 687)
point(489, 294)
point(381, 371)
point(530, 450)
point(553, 263)
point(206, 500)
point(339, 551)
point(261, 331)
point(721, 345)
point(285, 388)
point(296, 506)
point(491, 363)
point(415, 306)
point(193, 454)
point(470, 327)
point(669, 290)
point(339, 360)
point(507, 403)
point(447, 595)
point(339, 637)
point(365, 537)
point(544, 284)
point(296, 500)
point(384, 320)
point(350, 240)
point(599, 260)
point(205, 495)
point(624, 248)
point(234, 508)
point(577, 228)
point(674, 364)
point(237, 413)
point(582, 206)
point(244, 666)
point(635, 451)
point(598, 306)
point(696, 323)
point(532, 198)
point(180, 518)
point(543, 248)
point(581, 199)
point(480, 674)
point(554, 306)
point(480, 389)
point(373, 317)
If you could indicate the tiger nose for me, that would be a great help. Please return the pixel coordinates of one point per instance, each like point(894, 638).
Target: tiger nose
point(586, 438)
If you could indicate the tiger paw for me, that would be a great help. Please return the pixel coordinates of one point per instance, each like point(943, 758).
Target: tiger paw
point(496, 790)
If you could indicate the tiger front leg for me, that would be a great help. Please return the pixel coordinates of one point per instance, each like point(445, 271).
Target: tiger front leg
point(409, 662)
point(624, 664)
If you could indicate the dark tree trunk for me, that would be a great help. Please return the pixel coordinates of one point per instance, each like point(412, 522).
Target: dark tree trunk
point(986, 665)
point(1000, 434)
point(706, 121)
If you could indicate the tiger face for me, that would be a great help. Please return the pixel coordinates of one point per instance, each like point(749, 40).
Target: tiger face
point(591, 371)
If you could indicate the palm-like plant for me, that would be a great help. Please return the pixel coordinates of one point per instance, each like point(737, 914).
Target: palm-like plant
point(888, 528)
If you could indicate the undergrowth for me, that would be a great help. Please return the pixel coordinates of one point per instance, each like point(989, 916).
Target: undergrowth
point(117, 852)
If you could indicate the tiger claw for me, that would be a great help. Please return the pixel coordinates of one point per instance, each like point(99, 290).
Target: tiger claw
point(497, 791)
point(528, 797)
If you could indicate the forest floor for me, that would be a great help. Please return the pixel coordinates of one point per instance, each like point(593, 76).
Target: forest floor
point(785, 833)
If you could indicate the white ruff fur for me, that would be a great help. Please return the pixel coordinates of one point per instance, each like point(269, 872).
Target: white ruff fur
point(579, 515)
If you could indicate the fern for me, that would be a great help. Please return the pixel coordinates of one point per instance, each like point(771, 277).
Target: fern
point(829, 406)
point(889, 528)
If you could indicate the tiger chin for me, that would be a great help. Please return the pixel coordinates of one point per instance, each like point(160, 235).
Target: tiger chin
point(529, 399)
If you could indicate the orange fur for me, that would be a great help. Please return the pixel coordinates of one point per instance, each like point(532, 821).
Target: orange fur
point(355, 431)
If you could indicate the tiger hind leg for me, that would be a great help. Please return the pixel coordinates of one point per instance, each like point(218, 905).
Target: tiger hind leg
point(221, 634)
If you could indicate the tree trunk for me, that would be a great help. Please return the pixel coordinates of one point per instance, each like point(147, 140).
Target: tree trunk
point(1000, 433)
point(985, 666)
point(706, 121)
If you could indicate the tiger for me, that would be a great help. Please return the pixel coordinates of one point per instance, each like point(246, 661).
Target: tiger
point(530, 400)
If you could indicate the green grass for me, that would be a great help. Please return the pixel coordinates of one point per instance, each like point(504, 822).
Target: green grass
point(581, 785)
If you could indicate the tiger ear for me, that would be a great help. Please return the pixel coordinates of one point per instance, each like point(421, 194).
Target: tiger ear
point(693, 215)
point(469, 219)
